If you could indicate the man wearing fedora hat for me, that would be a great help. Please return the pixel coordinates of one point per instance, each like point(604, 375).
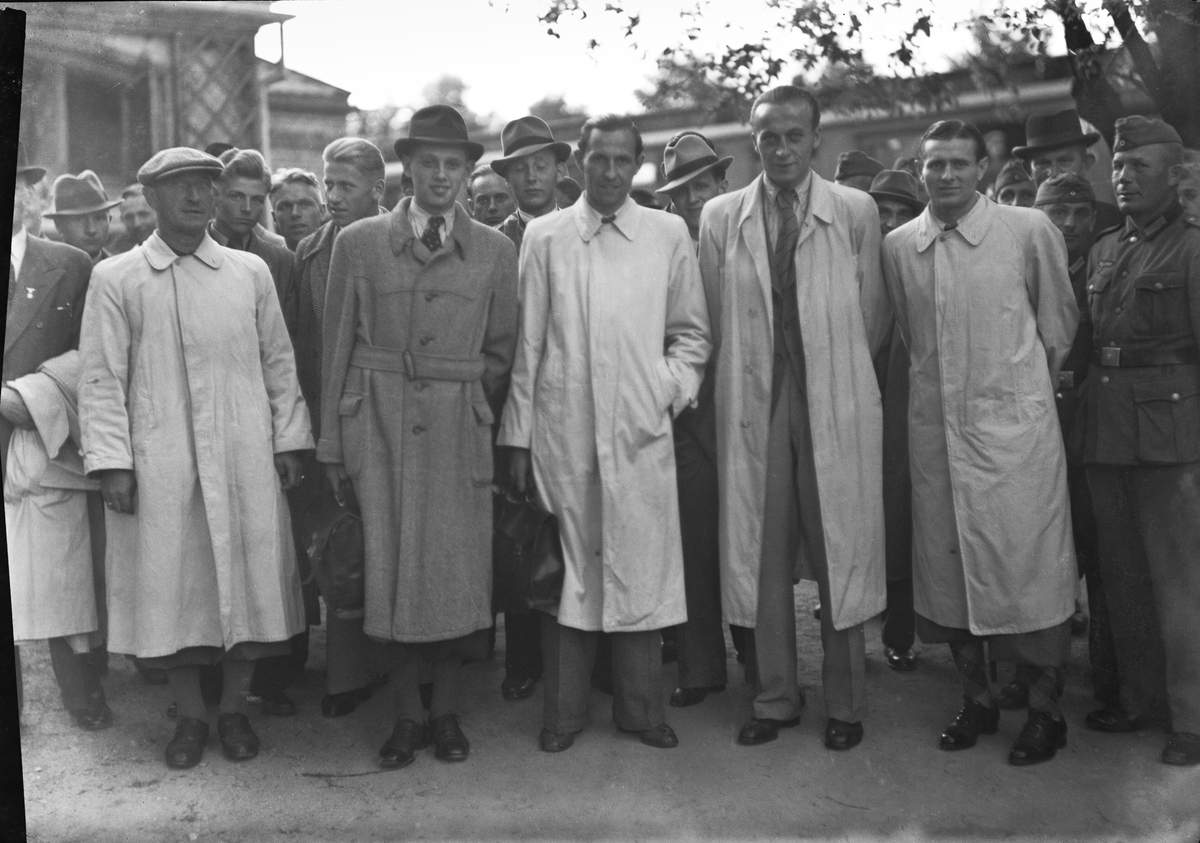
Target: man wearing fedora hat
point(1055, 144)
point(47, 286)
point(420, 327)
point(694, 174)
point(532, 164)
point(856, 169)
point(80, 211)
point(192, 419)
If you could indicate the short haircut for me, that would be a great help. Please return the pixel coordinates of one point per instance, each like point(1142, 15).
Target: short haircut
point(946, 130)
point(248, 164)
point(718, 171)
point(294, 175)
point(132, 191)
point(569, 187)
point(782, 94)
point(1191, 170)
point(358, 153)
point(610, 123)
point(481, 170)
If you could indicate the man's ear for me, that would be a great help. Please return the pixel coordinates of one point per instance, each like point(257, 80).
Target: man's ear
point(378, 188)
point(1089, 158)
point(579, 155)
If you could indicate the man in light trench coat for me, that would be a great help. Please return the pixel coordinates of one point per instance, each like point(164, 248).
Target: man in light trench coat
point(985, 306)
point(798, 309)
point(191, 416)
point(614, 338)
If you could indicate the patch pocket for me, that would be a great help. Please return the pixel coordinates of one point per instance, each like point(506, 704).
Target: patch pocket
point(1161, 302)
point(1168, 421)
point(482, 463)
point(353, 431)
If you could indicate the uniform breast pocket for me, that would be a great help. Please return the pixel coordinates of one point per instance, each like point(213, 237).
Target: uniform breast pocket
point(1161, 299)
point(1168, 420)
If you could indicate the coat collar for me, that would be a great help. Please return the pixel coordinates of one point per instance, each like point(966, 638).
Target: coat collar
point(316, 241)
point(972, 227)
point(820, 201)
point(588, 220)
point(160, 255)
point(1154, 227)
point(400, 231)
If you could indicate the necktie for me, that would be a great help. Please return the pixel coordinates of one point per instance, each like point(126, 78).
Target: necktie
point(431, 237)
point(12, 283)
point(782, 261)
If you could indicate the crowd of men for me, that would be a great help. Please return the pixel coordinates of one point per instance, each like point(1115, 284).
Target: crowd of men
point(941, 406)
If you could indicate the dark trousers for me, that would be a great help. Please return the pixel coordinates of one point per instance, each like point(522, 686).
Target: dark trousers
point(899, 619)
point(275, 674)
point(700, 641)
point(636, 673)
point(78, 680)
point(1102, 656)
point(1149, 529)
point(522, 645)
point(405, 663)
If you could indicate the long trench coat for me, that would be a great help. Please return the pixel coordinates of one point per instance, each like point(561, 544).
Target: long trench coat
point(416, 345)
point(45, 510)
point(988, 315)
point(844, 316)
point(189, 380)
point(592, 396)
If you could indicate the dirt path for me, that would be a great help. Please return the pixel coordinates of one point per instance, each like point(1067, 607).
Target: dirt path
point(316, 780)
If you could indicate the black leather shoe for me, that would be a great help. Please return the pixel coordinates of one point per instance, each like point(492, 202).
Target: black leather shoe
point(1012, 696)
point(278, 704)
point(400, 750)
point(1039, 740)
point(683, 697)
point(972, 721)
point(760, 730)
point(514, 688)
point(1114, 719)
point(903, 660)
point(96, 716)
point(187, 747)
point(661, 736)
point(1183, 749)
point(449, 743)
point(842, 735)
point(555, 741)
point(238, 741)
point(341, 704)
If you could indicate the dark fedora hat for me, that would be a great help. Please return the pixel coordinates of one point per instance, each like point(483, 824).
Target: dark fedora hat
point(440, 125)
point(1050, 131)
point(78, 195)
point(687, 158)
point(897, 186)
point(32, 173)
point(525, 136)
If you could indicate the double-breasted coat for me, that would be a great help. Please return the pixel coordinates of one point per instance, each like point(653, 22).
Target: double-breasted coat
point(416, 345)
point(988, 315)
point(592, 396)
point(189, 381)
point(844, 315)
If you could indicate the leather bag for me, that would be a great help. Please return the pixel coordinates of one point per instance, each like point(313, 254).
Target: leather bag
point(527, 558)
point(336, 554)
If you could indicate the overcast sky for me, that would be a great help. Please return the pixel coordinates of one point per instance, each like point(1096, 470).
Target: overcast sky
point(387, 52)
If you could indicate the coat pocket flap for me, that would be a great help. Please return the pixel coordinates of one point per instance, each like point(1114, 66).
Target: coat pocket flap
point(349, 405)
point(1165, 390)
point(483, 412)
point(1158, 281)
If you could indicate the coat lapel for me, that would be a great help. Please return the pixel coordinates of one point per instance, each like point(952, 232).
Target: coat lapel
point(754, 233)
point(34, 284)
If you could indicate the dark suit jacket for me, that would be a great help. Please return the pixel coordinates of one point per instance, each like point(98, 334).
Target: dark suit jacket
point(46, 312)
point(282, 264)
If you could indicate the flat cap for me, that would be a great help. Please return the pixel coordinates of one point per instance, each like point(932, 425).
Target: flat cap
point(1065, 188)
point(1013, 172)
point(178, 160)
point(1136, 130)
point(856, 163)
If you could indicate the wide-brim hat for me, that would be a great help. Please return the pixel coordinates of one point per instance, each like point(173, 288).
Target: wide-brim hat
point(527, 136)
point(897, 186)
point(78, 195)
point(176, 161)
point(1050, 131)
point(687, 158)
point(440, 125)
point(32, 172)
point(856, 163)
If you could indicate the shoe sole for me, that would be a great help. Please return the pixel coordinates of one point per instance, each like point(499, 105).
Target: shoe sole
point(1029, 762)
point(452, 758)
point(398, 764)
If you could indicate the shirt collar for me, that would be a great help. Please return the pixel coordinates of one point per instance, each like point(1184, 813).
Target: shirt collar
point(1155, 226)
point(802, 189)
point(972, 227)
point(19, 241)
point(420, 220)
point(589, 221)
point(160, 255)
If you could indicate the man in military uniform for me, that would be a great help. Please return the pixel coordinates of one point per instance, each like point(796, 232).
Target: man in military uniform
point(1013, 186)
point(1141, 439)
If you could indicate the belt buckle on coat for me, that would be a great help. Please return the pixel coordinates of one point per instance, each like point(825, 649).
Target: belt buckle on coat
point(1110, 356)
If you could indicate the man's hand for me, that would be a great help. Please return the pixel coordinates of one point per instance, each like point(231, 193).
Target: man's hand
point(12, 408)
point(519, 465)
point(339, 480)
point(118, 487)
point(287, 466)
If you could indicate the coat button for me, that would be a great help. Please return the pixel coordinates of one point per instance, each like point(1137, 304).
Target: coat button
point(426, 340)
point(1092, 288)
point(1104, 379)
point(1117, 309)
point(953, 551)
point(753, 312)
point(430, 296)
point(745, 424)
point(1174, 396)
point(419, 385)
point(1158, 286)
point(39, 324)
point(418, 429)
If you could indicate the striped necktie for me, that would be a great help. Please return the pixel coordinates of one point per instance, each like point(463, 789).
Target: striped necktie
point(783, 259)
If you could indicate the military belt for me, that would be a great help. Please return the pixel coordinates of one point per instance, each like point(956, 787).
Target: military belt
point(1134, 358)
point(417, 365)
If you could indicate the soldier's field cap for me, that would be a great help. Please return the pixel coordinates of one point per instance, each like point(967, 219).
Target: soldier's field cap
point(1065, 188)
point(856, 163)
point(176, 161)
point(1013, 172)
point(1136, 130)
